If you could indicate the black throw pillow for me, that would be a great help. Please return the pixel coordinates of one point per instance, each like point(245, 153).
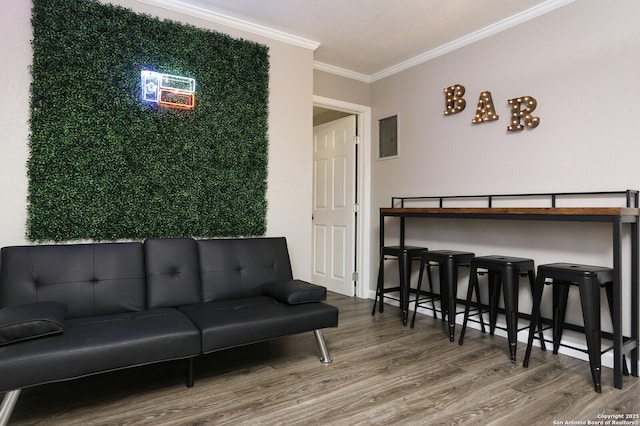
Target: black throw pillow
point(30, 321)
point(294, 292)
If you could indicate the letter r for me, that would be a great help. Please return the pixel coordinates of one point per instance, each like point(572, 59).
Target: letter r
point(521, 108)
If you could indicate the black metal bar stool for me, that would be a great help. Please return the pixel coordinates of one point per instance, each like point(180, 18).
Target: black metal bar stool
point(404, 254)
point(448, 262)
point(504, 271)
point(589, 280)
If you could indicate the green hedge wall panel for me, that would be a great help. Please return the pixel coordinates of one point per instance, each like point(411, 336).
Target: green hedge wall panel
point(105, 166)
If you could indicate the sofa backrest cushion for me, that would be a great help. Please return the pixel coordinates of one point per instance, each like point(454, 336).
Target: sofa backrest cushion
point(89, 279)
point(173, 275)
point(236, 268)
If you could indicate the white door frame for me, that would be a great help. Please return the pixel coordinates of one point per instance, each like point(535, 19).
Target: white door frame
point(363, 260)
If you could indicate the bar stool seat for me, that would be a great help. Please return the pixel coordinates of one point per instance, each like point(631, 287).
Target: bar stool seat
point(504, 271)
point(404, 254)
point(448, 262)
point(589, 280)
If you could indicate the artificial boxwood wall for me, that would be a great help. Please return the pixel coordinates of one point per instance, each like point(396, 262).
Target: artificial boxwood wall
point(106, 166)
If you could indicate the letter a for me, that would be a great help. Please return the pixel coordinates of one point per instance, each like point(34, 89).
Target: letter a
point(485, 110)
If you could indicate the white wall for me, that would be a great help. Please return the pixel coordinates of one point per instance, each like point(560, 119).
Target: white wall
point(290, 123)
point(342, 88)
point(581, 63)
point(15, 49)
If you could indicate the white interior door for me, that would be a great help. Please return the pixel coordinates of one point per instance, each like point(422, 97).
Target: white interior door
point(333, 205)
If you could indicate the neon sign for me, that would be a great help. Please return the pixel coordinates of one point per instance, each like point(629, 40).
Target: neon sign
point(168, 90)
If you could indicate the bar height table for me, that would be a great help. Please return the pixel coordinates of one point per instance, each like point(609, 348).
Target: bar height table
point(616, 216)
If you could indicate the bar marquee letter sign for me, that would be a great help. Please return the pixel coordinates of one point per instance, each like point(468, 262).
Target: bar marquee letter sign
point(521, 108)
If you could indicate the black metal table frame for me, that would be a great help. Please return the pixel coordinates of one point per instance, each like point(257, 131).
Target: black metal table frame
point(620, 344)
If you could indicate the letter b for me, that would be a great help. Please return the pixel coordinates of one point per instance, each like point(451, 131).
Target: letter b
point(454, 102)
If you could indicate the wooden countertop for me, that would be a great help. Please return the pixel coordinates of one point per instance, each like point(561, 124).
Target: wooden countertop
point(514, 211)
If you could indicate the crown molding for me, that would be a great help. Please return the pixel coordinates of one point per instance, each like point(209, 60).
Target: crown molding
point(485, 32)
point(512, 21)
point(321, 66)
point(239, 24)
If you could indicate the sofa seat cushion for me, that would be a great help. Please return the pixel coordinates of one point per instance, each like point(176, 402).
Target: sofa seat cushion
point(237, 322)
point(30, 321)
point(97, 344)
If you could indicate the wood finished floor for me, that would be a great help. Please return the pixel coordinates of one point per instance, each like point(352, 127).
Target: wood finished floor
point(382, 373)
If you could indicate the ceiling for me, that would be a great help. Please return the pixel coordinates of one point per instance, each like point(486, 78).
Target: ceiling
point(369, 38)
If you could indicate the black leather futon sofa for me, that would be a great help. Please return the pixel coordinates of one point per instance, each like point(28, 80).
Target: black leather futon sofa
point(68, 311)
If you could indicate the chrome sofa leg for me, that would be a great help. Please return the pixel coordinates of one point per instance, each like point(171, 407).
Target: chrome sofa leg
point(325, 358)
point(6, 408)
